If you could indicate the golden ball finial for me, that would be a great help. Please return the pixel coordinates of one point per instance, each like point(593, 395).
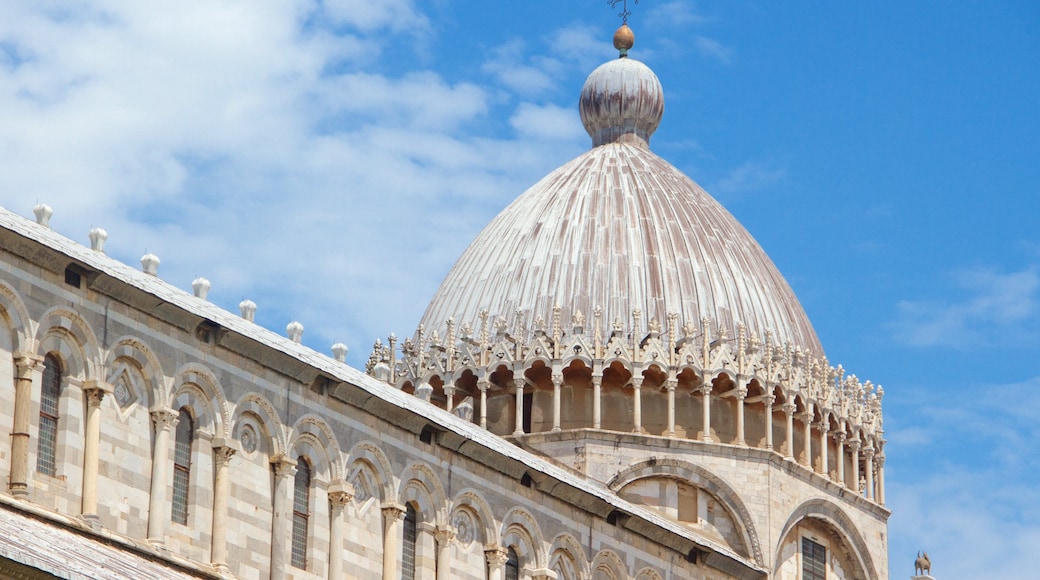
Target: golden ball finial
point(624, 38)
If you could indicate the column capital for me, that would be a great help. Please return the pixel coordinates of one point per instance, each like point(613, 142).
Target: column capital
point(284, 466)
point(671, 384)
point(840, 437)
point(557, 378)
point(483, 384)
point(705, 389)
point(788, 408)
point(95, 391)
point(164, 419)
point(392, 510)
point(223, 450)
point(868, 452)
point(25, 364)
point(769, 400)
point(341, 493)
point(879, 460)
point(496, 555)
point(444, 535)
point(854, 444)
point(636, 382)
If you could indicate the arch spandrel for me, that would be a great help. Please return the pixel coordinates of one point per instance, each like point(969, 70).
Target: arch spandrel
point(134, 350)
point(367, 455)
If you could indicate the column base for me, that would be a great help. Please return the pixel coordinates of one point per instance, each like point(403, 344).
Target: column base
point(92, 520)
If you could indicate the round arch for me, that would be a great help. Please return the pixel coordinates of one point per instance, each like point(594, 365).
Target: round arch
point(843, 527)
point(704, 479)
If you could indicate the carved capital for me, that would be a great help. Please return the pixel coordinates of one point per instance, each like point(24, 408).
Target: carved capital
point(840, 437)
point(392, 511)
point(164, 419)
point(769, 400)
point(788, 408)
point(868, 452)
point(341, 493)
point(637, 382)
point(284, 466)
point(222, 453)
point(854, 444)
point(671, 384)
point(705, 389)
point(95, 391)
point(496, 556)
point(444, 535)
point(25, 364)
point(557, 379)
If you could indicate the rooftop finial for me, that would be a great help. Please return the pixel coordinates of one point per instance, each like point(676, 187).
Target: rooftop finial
point(625, 12)
point(624, 38)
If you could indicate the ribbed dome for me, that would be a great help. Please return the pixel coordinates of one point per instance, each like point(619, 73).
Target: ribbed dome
point(622, 230)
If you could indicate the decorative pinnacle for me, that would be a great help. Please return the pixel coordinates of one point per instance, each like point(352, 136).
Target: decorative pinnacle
point(625, 12)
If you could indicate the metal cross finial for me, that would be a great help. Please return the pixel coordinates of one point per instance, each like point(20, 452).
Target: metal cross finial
point(625, 12)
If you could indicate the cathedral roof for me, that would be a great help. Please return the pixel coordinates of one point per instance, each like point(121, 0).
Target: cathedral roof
point(620, 234)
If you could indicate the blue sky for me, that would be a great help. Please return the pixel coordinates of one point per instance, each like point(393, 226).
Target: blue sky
point(330, 161)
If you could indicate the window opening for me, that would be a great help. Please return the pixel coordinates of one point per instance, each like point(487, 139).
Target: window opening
point(814, 560)
point(512, 565)
point(49, 396)
point(301, 513)
point(410, 528)
point(182, 466)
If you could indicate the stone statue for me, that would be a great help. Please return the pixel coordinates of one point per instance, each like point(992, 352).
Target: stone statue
point(922, 565)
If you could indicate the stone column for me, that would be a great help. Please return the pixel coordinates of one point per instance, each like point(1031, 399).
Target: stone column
point(483, 386)
point(789, 413)
point(25, 367)
point(671, 385)
point(868, 454)
point(449, 395)
point(824, 460)
point(340, 494)
point(637, 404)
point(95, 392)
point(163, 421)
point(839, 437)
point(557, 381)
point(807, 420)
point(392, 515)
point(880, 462)
point(769, 400)
point(854, 446)
point(741, 395)
point(705, 390)
point(223, 450)
point(444, 535)
point(496, 561)
point(284, 473)
point(597, 386)
point(518, 380)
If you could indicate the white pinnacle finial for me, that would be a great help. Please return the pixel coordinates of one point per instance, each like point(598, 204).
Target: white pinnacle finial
point(200, 286)
point(43, 214)
point(295, 331)
point(150, 264)
point(97, 239)
point(339, 351)
point(248, 309)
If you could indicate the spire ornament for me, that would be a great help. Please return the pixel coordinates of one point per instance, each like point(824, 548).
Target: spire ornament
point(625, 12)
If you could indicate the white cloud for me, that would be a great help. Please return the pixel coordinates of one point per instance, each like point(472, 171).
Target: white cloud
point(547, 122)
point(997, 307)
point(258, 145)
point(714, 49)
point(749, 177)
point(972, 482)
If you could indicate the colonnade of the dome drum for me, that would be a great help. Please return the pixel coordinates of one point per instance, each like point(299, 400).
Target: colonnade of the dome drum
point(693, 383)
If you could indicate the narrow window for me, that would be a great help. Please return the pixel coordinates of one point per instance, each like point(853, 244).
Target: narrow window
point(688, 507)
point(408, 558)
point(301, 513)
point(50, 393)
point(512, 565)
point(182, 466)
point(814, 560)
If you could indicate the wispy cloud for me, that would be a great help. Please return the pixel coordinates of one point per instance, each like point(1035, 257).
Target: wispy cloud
point(675, 13)
point(972, 482)
point(994, 306)
point(714, 49)
point(749, 177)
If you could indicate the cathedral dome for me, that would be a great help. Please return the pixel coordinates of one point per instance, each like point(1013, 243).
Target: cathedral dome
point(620, 234)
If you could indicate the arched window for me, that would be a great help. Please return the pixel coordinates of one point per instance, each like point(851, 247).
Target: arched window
point(301, 513)
point(411, 523)
point(182, 466)
point(49, 395)
point(512, 565)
